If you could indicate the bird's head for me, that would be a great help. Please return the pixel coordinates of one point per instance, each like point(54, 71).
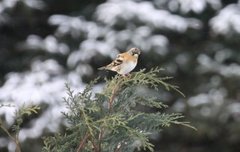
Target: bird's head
point(134, 52)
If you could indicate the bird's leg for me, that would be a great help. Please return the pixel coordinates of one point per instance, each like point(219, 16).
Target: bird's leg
point(126, 75)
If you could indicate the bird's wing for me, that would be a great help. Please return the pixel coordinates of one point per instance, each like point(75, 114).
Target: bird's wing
point(115, 63)
point(118, 60)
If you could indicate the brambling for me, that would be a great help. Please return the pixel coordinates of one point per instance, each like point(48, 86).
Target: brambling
point(124, 63)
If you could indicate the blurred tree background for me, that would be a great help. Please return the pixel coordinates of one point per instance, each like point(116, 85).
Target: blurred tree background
point(45, 43)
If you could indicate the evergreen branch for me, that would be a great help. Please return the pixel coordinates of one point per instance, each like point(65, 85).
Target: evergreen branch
point(140, 136)
point(118, 148)
point(115, 120)
point(100, 137)
point(24, 110)
point(88, 121)
point(142, 77)
point(150, 102)
point(186, 124)
point(113, 95)
point(83, 142)
point(28, 110)
point(15, 140)
point(111, 120)
point(71, 100)
point(7, 132)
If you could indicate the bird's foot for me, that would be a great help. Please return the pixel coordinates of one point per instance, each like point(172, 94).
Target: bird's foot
point(127, 75)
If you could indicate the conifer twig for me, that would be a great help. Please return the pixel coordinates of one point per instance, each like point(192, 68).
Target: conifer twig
point(15, 140)
point(100, 138)
point(83, 142)
point(95, 146)
point(114, 92)
point(118, 148)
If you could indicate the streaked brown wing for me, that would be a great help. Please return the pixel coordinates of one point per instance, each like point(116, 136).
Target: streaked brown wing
point(117, 61)
point(115, 64)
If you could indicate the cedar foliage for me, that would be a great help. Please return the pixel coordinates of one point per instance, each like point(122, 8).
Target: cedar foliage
point(13, 131)
point(111, 121)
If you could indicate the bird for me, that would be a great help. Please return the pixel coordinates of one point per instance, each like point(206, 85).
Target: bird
point(124, 62)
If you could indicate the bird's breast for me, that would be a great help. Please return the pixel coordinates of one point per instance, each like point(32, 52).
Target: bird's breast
point(127, 67)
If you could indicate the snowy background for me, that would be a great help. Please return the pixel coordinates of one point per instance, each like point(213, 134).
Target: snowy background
point(47, 43)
